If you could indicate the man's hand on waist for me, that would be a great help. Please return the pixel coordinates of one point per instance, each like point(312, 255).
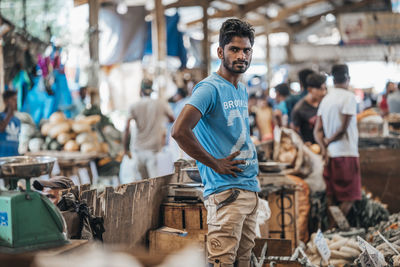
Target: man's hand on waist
point(228, 165)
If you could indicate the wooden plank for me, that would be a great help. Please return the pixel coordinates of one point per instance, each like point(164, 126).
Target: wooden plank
point(281, 263)
point(131, 210)
point(380, 170)
point(93, 81)
point(275, 247)
point(192, 217)
point(205, 42)
point(184, 216)
point(26, 259)
point(241, 12)
point(173, 215)
point(159, 39)
point(84, 187)
point(90, 197)
point(182, 3)
point(339, 218)
point(166, 242)
point(284, 225)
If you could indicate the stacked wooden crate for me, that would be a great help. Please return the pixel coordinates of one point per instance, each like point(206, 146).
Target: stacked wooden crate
point(183, 224)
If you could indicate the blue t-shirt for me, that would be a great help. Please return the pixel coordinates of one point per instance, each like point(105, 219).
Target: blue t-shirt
point(282, 107)
point(222, 130)
point(9, 139)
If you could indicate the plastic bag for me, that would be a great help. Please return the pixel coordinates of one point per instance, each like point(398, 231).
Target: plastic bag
point(263, 215)
point(127, 171)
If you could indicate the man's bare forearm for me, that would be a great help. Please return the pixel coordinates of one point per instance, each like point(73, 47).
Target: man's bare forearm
point(4, 123)
point(342, 131)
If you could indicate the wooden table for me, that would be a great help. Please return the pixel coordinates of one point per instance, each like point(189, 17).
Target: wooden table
point(71, 162)
point(26, 259)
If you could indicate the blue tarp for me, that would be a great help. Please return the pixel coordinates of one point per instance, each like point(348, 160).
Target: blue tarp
point(175, 45)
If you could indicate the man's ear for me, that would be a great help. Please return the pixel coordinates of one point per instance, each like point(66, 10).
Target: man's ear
point(220, 52)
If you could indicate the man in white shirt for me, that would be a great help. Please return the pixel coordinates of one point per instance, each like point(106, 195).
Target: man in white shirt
point(336, 133)
point(151, 116)
point(393, 100)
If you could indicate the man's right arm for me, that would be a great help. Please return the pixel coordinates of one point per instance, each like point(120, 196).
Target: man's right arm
point(4, 123)
point(295, 117)
point(319, 138)
point(182, 132)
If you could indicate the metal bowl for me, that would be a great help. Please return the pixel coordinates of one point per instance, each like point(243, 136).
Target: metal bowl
point(193, 173)
point(272, 166)
point(25, 166)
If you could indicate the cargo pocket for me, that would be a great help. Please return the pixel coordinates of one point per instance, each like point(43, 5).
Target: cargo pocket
point(211, 213)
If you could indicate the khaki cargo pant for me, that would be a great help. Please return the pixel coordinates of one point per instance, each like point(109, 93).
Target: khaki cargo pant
point(231, 227)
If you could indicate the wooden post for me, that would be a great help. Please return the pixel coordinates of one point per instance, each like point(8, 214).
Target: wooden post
point(93, 82)
point(206, 43)
point(268, 56)
point(289, 53)
point(159, 38)
point(4, 28)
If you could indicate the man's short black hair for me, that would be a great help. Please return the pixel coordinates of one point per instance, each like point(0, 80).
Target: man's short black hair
point(303, 74)
point(315, 80)
point(283, 89)
point(340, 73)
point(388, 83)
point(235, 27)
point(8, 94)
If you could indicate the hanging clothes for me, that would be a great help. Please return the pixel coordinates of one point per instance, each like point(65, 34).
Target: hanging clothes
point(39, 104)
point(175, 46)
point(63, 98)
point(22, 84)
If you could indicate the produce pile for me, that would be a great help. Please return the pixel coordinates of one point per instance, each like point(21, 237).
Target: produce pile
point(60, 133)
point(390, 230)
point(343, 251)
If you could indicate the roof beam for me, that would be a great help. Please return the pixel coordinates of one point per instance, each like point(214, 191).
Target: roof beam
point(240, 11)
point(287, 12)
point(340, 9)
point(185, 3)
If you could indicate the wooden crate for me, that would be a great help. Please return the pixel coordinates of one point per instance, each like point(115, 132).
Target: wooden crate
point(275, 247)
point(282, 263)
point(168, 240)
point(289, 230)
point(184, 216)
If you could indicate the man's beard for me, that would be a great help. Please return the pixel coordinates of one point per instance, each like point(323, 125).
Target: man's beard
point(231, 68)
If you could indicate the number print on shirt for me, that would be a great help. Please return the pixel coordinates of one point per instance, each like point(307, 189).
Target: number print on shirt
point(244, 154)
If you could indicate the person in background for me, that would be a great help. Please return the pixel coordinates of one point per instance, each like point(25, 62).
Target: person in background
point(337, 135)
point(10, 126)
point(281, 114)
point(264, 119)
point(304, 114)
point(383, 105)
point(292, 100)
point(252, 105)
point(393, 100)
point(213, 128)
point(150, 116)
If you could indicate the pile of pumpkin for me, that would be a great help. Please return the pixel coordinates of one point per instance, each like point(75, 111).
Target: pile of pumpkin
point(60, 133)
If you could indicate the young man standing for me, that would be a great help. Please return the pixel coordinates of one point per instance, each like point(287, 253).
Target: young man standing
point(213, 128)
point(304, 114)
point(336, 133)
point(10, 126)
